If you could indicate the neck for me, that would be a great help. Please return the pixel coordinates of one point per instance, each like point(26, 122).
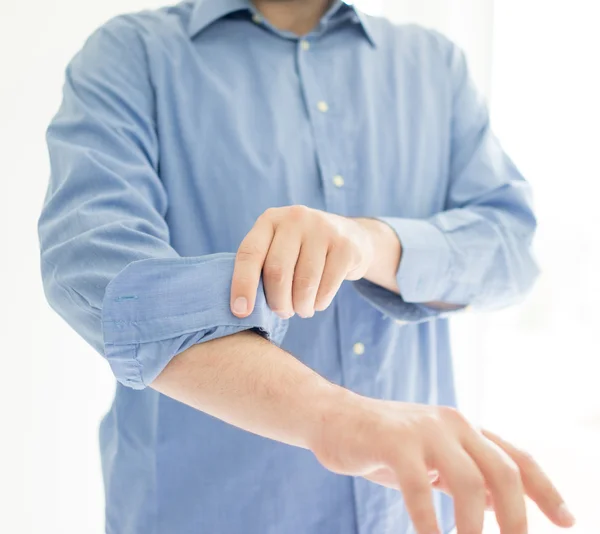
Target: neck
point(296, 16)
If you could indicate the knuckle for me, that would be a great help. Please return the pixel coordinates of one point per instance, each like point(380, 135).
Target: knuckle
point(413, 482)
point(343, 243)
point(408, 434)
point(474, 484)
point(326, 293)
point(510, 475)
point(343, 249)
point(525, 458)
point(279, 305)
point(521, 524)
point(269, 213)
point(273, 273)
point(452, 415)
point(248, 252)
point(242, 280)
point(518, 524)
point(304, 283)
point(432, 427)
point(297, 212)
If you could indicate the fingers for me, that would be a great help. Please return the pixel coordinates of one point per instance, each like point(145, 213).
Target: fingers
point(303, 258)
point(279, 267)
point(334, 273)
point(385, 477)
point(248, 266)
point(466, 485)
point(307, 275)
point(537, 485)
point(440, 485)
point(504, 481)
point(414, 482)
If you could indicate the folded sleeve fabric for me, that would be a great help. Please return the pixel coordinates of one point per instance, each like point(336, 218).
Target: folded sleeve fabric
point(478, 251)
point(107, 265)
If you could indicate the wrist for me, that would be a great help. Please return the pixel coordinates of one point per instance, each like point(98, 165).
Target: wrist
point(368, 232)
point(332, 408)
point(387, 253)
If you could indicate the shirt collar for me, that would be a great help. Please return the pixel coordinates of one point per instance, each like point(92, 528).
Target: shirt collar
point(205, 12)
point(366, 23)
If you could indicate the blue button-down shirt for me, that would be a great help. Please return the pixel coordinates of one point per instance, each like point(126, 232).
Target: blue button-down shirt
point(178, 128)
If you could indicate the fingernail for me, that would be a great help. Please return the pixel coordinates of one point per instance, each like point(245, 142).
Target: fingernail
point(565, 516)
point(286, 315)
point(240, 306)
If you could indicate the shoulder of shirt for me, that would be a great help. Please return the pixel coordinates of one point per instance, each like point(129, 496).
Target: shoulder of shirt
point(410, 38)
point(161, 25)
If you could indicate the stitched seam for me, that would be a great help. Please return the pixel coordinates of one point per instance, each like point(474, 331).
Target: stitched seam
point(264, 328)
point(164, 317)
point(138, 364)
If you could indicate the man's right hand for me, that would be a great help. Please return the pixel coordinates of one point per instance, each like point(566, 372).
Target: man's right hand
point(414, 447)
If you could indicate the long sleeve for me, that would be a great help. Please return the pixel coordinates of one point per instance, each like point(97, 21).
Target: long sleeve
point(107, 265)
point(478, 251)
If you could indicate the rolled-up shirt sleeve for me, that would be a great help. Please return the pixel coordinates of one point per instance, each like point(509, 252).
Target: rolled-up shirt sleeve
point(107, 264)
point(477, 252)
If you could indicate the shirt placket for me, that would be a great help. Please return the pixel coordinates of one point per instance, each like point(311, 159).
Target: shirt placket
point(324, 113)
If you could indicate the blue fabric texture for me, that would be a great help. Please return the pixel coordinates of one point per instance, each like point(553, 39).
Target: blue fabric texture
point(177, 129)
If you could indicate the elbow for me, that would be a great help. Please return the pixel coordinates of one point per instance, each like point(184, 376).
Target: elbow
point(527, 268)
point(513, 291)
point(513, 276)
point(522, 266)
point(527, 275)
point(523, 275)
point(74, 309)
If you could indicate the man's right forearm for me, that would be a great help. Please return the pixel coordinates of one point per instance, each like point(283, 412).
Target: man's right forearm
point(250, 383)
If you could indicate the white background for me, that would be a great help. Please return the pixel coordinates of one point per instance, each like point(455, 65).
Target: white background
point(530, 373)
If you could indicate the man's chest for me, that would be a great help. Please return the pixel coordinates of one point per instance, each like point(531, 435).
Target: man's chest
point(350, 132)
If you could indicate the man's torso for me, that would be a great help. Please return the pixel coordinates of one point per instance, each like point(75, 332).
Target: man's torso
point(357, 123)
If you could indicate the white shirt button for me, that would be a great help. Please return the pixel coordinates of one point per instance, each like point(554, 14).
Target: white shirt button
point(257, 18)
point(338, 181)
point(305, 45)
point(359, 349)
point(400, 322)
point(323, 106)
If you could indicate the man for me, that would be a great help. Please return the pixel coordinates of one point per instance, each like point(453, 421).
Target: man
point(294, 387)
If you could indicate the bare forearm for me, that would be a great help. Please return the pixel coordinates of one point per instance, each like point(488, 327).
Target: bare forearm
point(250, 383)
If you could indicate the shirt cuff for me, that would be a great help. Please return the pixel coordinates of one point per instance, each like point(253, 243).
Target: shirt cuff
point(422, 275)
point(425, 265)
point(154, 309)
point(394, 306)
